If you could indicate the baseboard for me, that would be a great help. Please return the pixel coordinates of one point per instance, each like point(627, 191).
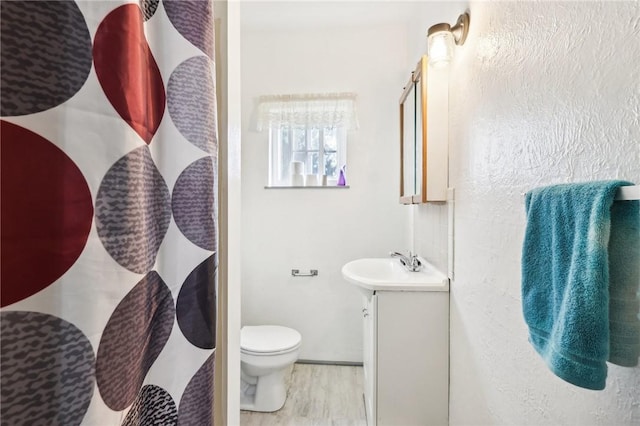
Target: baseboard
point(314, 361)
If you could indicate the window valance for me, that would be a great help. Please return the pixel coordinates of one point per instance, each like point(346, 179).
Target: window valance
point(308, 110)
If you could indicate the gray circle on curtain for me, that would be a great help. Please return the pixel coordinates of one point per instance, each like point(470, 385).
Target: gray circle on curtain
point(133, 211)
point(148, 8)
point(191, 100)
point(194, 20)
point(134, 336)
point(153, 406)
point(196, 404)
point(47, 374)
point(45, 55)
point(193, 204)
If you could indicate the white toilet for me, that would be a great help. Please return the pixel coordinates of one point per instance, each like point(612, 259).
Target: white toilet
point(266, 352)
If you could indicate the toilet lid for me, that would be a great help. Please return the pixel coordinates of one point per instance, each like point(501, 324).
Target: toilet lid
point(268, 338)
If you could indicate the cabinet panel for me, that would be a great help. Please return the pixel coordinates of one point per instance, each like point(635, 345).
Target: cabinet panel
point(412, 358)
point(370, 355)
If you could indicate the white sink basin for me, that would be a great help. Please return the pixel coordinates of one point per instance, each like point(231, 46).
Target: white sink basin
point(389, 275)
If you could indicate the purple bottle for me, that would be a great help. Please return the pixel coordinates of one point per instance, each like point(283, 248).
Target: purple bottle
point(341, 180)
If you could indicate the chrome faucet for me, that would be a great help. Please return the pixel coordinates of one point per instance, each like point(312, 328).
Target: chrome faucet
point(411, 262)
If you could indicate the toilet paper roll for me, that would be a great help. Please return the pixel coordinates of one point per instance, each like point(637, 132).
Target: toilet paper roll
point(297, 180)
point(311, 180)
point(297, 168)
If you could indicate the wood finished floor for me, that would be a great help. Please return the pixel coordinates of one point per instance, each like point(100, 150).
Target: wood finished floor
point(319, 395)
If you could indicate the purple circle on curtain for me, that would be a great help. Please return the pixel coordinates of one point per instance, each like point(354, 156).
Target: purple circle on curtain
point(196, 305)
point(134, 336)
point(133, 211)
point(196, 404)
point(191, 101)
point(193, 204)
point(153, 406)
point(194, 20)
point(47, 374)
point(45, 55)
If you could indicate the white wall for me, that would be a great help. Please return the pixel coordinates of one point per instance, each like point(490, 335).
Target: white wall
point(321, 228)
point(541, 93)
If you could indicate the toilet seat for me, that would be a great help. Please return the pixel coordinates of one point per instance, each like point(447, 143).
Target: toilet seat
point(272, 353)
point(268, 340)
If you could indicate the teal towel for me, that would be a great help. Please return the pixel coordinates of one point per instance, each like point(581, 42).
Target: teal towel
point(566, 262)
point(624, 283)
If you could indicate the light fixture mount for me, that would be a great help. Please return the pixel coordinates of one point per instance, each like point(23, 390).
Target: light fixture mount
point(459, 30)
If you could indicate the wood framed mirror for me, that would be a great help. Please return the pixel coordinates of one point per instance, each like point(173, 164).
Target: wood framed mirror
point(413, 137)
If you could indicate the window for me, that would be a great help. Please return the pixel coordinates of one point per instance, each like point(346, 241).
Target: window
point(322, 151)
point(310, 129)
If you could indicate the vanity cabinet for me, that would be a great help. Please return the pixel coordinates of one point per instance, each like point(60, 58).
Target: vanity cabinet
point(406, 357)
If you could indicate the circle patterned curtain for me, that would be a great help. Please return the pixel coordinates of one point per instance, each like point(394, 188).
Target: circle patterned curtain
point(109, 213)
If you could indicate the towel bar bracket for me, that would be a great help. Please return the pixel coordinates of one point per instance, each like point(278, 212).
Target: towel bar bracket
point(297, 273)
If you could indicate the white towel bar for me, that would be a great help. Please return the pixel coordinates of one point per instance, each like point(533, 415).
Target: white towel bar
point(628, 193)
point(297, 273)
point(624, 193)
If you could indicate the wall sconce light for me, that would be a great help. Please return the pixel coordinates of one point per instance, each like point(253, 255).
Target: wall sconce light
point(441, 39)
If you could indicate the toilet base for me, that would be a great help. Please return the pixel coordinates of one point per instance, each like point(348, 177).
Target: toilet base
point(268, 394)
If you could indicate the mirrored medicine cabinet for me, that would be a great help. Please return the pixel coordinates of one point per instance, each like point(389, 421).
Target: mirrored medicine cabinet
point(423, 151)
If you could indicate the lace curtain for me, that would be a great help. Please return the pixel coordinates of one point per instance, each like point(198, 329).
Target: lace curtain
point(322, 110)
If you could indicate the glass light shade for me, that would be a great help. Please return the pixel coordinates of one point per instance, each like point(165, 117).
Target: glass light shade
point(440, 45)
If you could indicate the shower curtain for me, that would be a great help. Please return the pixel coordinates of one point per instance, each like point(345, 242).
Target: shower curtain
point(108, 212)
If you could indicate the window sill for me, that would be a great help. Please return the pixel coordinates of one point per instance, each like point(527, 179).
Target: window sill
point(307, 187)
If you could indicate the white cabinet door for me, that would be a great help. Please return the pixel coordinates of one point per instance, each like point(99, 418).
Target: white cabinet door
point(412, 357)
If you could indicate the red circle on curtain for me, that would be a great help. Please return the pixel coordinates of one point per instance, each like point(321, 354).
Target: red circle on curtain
point(127, 70)
point(46, 213)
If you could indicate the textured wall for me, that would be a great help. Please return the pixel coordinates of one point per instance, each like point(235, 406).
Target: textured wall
point(541, 93)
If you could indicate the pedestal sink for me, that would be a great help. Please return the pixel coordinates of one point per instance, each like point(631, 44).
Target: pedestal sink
point(388, 274)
